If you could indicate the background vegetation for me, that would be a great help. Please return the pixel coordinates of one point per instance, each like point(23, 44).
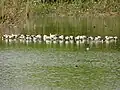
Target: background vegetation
point(15, 14)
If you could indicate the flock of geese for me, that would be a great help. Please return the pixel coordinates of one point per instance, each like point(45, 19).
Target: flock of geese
point(60, 38)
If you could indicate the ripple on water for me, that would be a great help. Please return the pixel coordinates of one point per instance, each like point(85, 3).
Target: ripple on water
point(50, 68)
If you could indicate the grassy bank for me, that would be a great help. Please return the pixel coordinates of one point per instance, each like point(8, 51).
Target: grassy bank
point(78, 8)
point(19, 14)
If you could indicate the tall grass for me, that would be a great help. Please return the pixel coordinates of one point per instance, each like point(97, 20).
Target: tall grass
point(14, 15)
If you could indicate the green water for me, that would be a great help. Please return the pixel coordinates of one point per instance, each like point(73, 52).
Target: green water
point(65, 66)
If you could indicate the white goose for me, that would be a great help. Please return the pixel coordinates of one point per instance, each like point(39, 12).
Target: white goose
point(71, 37)
point(21, 36)
point(67, 38)
point(115, 37)
point(45, 37)
point(5, 36)
point(77, 38)
point(28, 37)
point(90, 38)
point(38, 36)
point(12, 36)
point(83, 37)
point(53, 36)
point(97, 38)
point(108, 38)
point(61, 37)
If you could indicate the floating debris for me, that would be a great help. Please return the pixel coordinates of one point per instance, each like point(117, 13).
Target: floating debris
point(87, 49)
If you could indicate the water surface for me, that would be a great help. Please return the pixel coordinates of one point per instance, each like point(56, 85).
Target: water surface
point(65, 66)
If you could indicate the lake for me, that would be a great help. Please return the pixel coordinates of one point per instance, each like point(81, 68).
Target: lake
point(62, 66)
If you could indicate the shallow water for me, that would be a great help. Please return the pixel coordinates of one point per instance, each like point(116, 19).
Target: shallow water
point(62, 66)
